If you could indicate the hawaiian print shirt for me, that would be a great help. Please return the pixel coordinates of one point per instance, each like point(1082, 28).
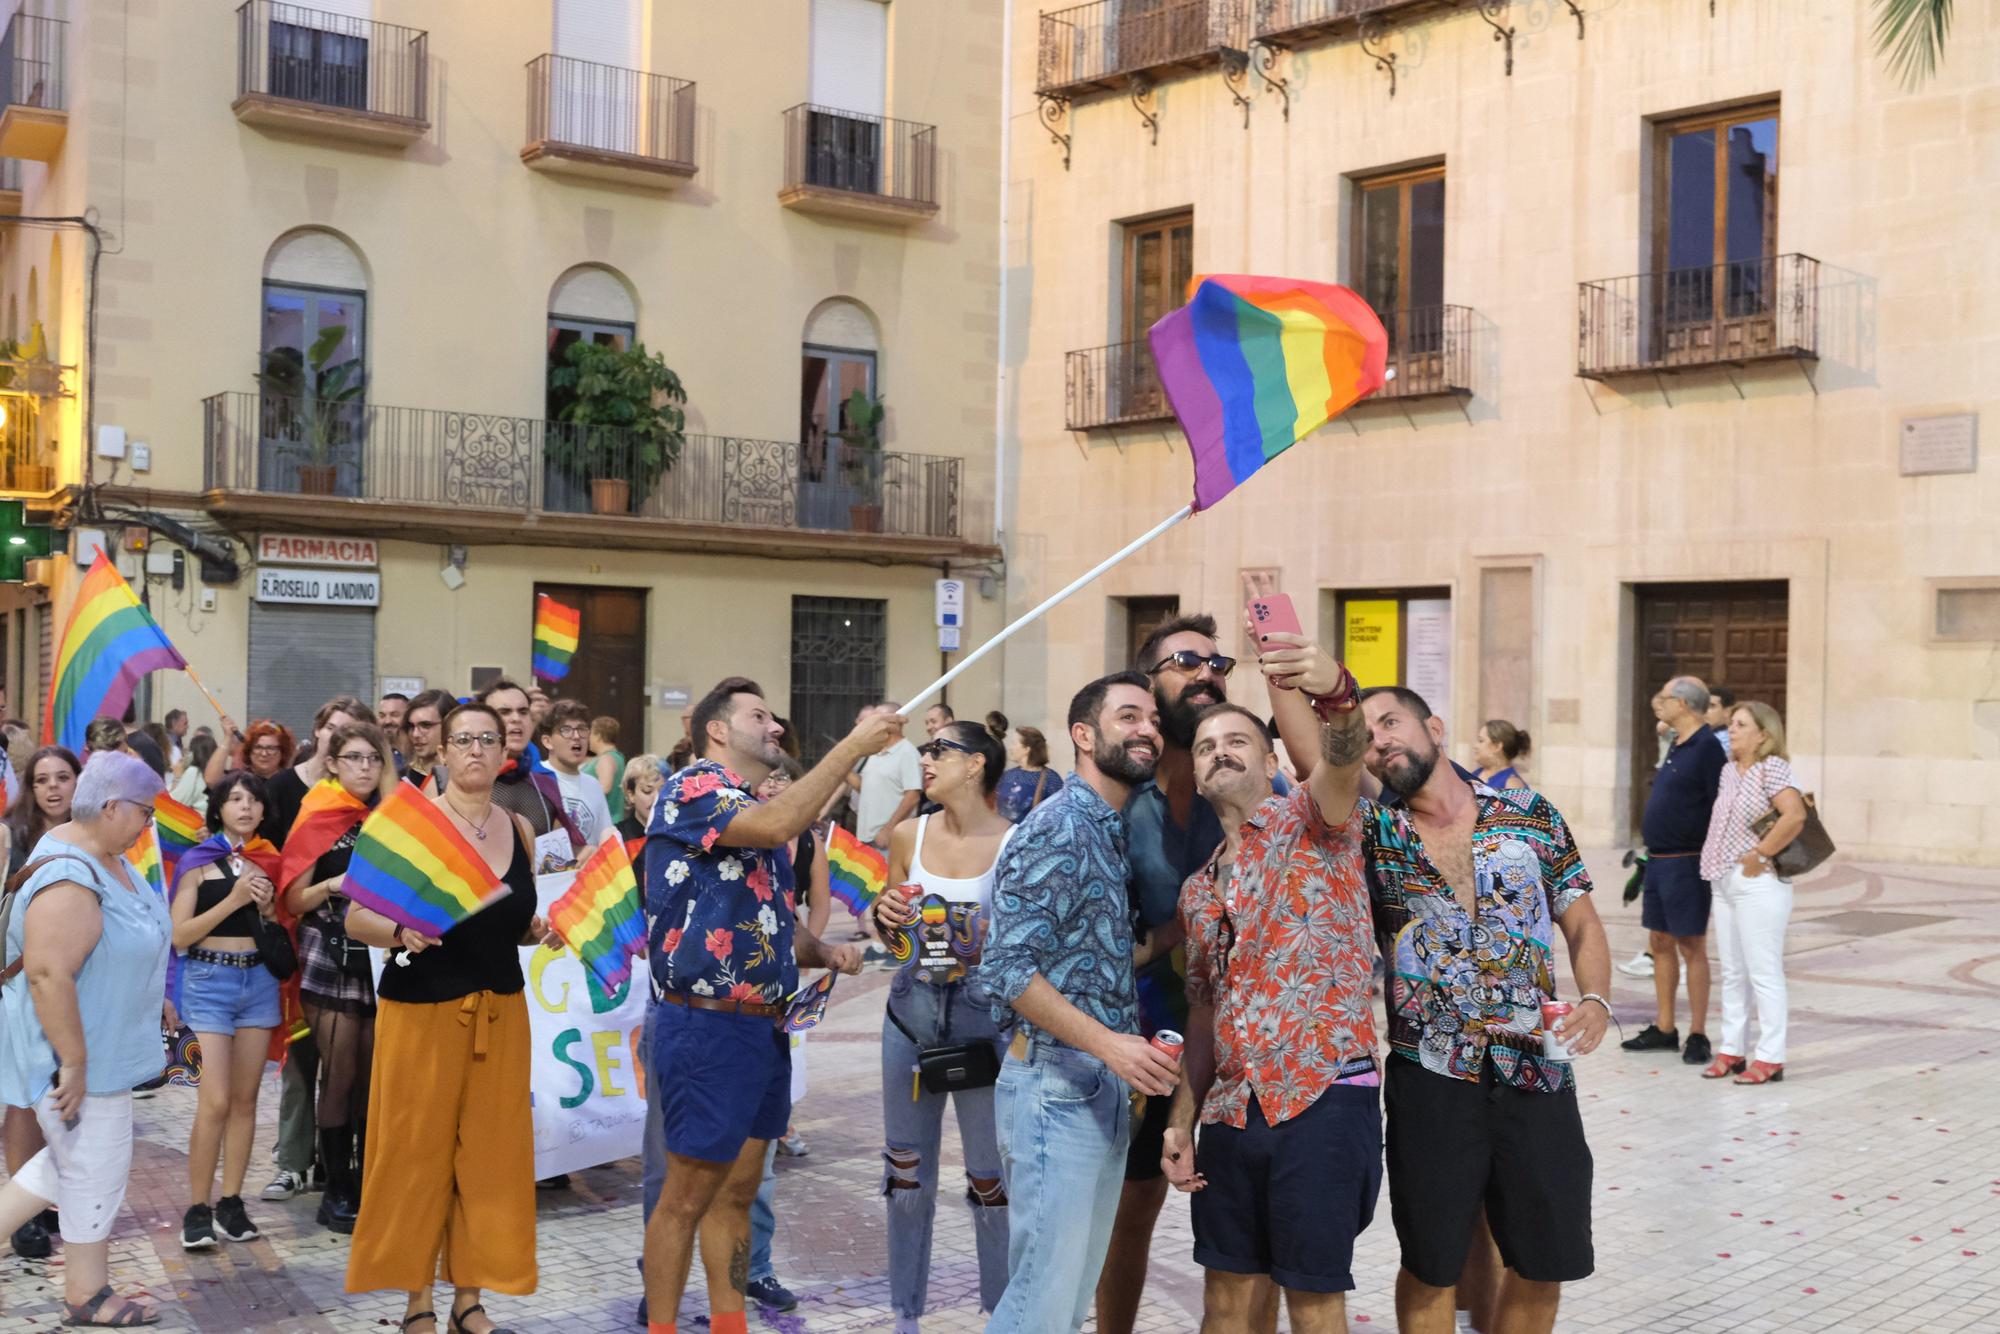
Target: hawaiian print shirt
point(719, 918)
point(1282, 954)
point(1463, 991)
point(1059, 910)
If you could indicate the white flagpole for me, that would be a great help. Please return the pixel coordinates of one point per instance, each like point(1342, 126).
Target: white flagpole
point(934, 687)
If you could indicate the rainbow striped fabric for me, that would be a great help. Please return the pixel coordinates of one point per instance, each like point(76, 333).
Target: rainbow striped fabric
point(325, 815)
point(1253, 365)
point(556, 631)
point(178, 829)
point(108, 644)
point(144, 855)
point(599, 916)
point(857, 873)
point(413, 868)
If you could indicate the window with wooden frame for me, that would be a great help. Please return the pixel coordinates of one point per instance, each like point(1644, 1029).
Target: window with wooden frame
point(1715, 231)
point(1158, 264)
point(1399, 265)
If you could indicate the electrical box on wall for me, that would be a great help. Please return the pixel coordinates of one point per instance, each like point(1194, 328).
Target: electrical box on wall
point(111, 442)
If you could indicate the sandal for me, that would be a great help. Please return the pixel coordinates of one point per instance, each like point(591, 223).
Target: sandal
point(130, 1314)
point(409, 1320)
point(1725, 1066)
point(458, 1321)
point(1761, 1072)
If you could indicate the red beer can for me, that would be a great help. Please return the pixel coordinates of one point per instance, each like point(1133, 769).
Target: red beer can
point(1553, 1046)
point(1169, 1043)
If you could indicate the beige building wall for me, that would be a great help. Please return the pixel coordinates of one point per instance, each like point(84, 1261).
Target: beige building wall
point(1596, 489)
point(461, 244)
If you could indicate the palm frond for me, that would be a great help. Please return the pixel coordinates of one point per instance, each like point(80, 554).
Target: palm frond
point(1911, 34)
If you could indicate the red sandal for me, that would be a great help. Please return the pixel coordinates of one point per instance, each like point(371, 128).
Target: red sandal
point(1761, 1072)
point(1725, 1065)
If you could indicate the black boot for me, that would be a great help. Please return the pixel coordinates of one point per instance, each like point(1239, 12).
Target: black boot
point(337, 1207)
point(360, 1160)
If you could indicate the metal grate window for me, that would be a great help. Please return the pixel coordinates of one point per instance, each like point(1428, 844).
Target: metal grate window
point(840, 653)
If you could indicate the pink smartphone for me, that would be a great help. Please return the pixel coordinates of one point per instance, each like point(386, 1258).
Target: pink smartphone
point(1274, 613)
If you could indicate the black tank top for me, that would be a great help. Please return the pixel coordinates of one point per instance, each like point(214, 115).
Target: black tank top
point(210, 894)
point(482, 953)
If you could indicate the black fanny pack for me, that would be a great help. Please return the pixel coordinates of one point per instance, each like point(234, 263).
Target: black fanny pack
point(947, 1069)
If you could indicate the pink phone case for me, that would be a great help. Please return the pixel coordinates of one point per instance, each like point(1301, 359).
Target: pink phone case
point(1274, 613)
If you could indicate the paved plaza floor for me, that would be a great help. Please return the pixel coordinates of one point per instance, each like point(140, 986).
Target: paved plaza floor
point(1862, 1193)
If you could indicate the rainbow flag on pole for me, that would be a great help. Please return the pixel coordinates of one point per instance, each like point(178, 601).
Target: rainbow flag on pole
point(857, 873)
point(413, 868)
point(600, 917)
point(556, 631)
point(1253, 365)
point(177, 829)
point(108, 644)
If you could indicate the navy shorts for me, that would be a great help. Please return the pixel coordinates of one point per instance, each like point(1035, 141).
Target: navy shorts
point(1676, 897)
point(1289, 1200)
point(722, 1079)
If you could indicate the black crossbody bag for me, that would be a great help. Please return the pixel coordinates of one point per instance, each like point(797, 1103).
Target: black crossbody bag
point(951, 1068)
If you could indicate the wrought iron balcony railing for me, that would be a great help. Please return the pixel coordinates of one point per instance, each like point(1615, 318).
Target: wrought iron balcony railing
point(829, 149)
point(581, 104)
point(480, 462)
point(1430, 350)
point(1721, 315)
point(1116, 385)
point(1300, 19)
point(1104, 43)
point(31, 63)
point(331, 60)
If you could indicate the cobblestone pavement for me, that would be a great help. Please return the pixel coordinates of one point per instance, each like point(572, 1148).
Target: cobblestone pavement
point(1863, 1193)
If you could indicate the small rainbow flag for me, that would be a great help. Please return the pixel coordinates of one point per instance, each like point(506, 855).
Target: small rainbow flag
point(178, 829)
point(599, 916)
point(1254, 365)
point(556, 631)
point(413, 868)
point(144, 855)
point(327, 812)
point(108, 644)
point(857, 873)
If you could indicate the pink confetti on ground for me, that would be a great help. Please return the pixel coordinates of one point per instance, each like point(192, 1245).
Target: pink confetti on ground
point(1968, 1252)
point(1734, 1214)
point(1809, 1291)
point(1722, 1255)
point(1958, 1229)
point(1916, 1238)
point(1840, 1197)
point(1728, 1160)
point(1767, 1222)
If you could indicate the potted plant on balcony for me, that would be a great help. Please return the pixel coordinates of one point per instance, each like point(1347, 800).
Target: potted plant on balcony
point(860, 436)
point(308, 406)
point(626, 419)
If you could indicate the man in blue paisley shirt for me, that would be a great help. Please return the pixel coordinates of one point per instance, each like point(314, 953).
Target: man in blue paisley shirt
point(1059, 957)
point(725, 946)
point(1470, 888)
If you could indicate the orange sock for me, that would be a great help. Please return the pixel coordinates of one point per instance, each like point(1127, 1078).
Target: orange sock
point(729, 1322)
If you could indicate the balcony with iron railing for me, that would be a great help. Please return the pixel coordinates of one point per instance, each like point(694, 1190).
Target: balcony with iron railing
point(1294, 21)
point(607, 123)
point(1430, 353)
point(1115, 385)
point(34, 102)
point(1107, 44)
point(1722, 315)
point(306, 71)
point(10, 187)
point(437, 473)
point(843, 164)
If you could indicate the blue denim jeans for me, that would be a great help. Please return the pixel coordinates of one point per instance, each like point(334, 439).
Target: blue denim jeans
point(764, 1218)
point(1065, 1124)
point(913, 1128)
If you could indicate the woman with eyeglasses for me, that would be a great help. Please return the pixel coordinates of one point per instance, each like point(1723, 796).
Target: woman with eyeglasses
point(265, 749)
point(934, 918)
point(336, 981)
point(451, 1169)
point(423, 725)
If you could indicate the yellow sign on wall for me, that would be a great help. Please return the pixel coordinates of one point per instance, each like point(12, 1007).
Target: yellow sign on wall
point(1369, 642)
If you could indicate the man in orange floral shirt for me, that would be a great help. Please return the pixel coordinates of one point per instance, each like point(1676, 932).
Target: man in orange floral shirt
point(1280, 1057)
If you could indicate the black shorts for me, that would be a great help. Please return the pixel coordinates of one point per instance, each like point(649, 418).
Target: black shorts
point(1676, 898)
point(1149, 1141)
point(1456, 1147)
point(1289, 1200)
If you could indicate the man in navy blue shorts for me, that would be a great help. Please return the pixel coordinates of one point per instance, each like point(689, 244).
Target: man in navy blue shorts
point(721, 918)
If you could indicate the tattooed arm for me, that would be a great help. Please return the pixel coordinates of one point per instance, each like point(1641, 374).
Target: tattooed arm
point(1294, 667)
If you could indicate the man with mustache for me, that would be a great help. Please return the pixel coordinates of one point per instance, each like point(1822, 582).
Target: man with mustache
point(1470, 887)
point(1058, 957)
point(1280, 1055)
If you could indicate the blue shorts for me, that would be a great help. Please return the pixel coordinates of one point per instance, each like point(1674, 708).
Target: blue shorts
point(1676, 897)
point(722, 1079)
point(216, 998)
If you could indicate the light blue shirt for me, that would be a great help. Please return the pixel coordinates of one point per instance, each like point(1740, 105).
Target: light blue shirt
point(118, 989)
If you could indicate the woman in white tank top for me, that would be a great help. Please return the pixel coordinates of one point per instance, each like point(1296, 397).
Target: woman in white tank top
point(933, 918)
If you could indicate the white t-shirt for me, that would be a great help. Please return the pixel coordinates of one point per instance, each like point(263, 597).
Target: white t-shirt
point(884, 780)
point(584, 799)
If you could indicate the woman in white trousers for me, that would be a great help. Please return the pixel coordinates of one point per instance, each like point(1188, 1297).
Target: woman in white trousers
point(1752, 903)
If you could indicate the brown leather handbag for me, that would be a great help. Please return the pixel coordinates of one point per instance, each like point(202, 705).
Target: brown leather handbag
point(1812, 846)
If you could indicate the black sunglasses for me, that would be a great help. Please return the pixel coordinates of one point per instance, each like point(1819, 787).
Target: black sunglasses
point(935, 748)
point(1188, 660)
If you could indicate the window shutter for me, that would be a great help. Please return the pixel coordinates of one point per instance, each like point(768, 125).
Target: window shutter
point(606, 31)
point(850, 55)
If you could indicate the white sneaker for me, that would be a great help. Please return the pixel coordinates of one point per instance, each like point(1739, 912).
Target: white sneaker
point(1639, 965)
point(284, 1186)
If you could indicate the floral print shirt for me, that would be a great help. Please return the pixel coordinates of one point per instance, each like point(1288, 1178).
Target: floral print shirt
point(1282, 954)
point(1464, 990)
point(719, 919)
point(1059, 911)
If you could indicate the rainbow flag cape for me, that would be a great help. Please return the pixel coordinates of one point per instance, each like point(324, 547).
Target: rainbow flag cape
point(1253, 365)
point(556, 631)
point(600, 916)
point(327, 812)
point(857, 873)
point(108, 644)
point(413, 868)
point(144, 855)
point(177, 828)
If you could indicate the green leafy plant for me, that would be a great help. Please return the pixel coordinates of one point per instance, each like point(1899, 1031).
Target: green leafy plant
point(861, 434)
point(1911, 33)
point(308, 402)
point(627, 413)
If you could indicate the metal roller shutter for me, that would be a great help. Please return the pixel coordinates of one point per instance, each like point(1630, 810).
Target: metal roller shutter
point(850, 54)
point(301, 657)
point(606, 31)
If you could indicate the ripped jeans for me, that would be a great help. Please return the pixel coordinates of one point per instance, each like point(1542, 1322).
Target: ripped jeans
point(913, 1129)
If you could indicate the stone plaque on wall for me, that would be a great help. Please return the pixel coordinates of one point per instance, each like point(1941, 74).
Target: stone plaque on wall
point(1940, 444)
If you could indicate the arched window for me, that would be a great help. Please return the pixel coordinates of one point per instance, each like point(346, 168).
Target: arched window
point(312, 378)
point(838, 358)
point(589, 303)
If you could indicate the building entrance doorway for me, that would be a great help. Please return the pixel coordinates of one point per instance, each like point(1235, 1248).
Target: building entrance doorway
point(608, 671)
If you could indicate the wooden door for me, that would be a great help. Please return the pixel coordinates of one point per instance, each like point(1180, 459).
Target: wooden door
point(608, 672)
point(1732, 634)
point(1159, 264)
